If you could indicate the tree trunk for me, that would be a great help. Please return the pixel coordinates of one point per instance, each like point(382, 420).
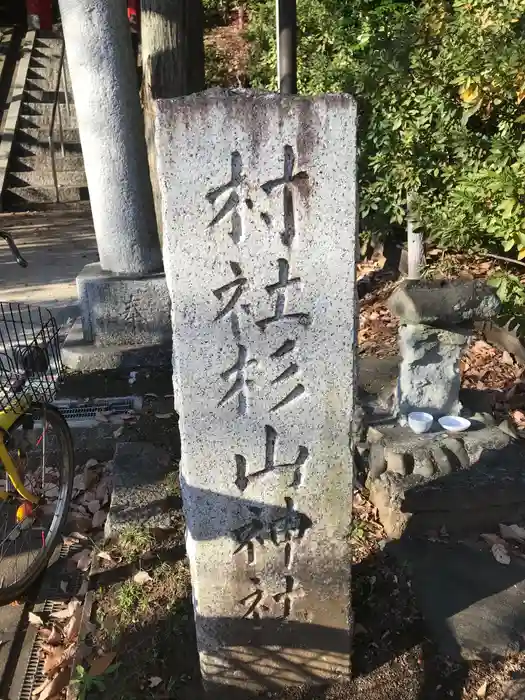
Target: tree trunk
point(172, 63)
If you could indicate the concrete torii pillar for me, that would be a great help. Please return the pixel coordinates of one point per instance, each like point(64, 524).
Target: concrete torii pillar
point(124, 300)
point(104, 82)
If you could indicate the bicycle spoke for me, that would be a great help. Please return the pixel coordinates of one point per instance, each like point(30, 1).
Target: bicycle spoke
point(27, 528)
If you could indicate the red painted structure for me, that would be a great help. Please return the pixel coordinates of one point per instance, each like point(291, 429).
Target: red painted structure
point(40, 13)
point(134, 15)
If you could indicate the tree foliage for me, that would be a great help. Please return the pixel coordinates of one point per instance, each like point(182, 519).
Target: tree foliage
point(441, 92)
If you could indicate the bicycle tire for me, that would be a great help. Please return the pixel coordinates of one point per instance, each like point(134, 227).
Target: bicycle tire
point(14, 591)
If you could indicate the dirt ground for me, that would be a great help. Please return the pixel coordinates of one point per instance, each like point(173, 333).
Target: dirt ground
point(150, 625)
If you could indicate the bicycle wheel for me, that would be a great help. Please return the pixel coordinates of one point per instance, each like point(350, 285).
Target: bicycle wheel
point(41, 447)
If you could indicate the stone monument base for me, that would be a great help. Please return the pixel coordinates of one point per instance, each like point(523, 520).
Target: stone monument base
point(469, 481)
point(125, 322)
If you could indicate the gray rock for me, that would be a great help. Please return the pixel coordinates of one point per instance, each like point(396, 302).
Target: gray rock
point(259, 212)
point(444, 302)
point(507, 428)
point(472, 605)
point(455, 448)
point(423, 464)
point(376, 460)
point(429, 376)
point(398, 463)
point(485, 418)
point(441, 460)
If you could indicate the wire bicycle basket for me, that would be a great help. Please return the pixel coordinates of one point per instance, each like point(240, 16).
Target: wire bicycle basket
point(30, 362)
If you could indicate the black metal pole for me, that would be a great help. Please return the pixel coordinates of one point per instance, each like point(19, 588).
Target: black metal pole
point(287, 45)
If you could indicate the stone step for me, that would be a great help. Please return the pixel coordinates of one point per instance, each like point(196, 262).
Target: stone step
point(36, 135)
point(43, 110)
point(18, 196)
point(43, 122)
point(48, 44)
point(142, 492)
point(41, 148)
point(43, 177)
point(40, 95)
point(26, 164)
point(42, 72)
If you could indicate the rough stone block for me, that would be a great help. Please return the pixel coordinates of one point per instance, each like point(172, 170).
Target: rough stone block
point(472, 606)
point(444, 302)
point(429, 377)
point(82, 356)
point(259, 252)
point(141, 488)
point(457, 482)
point(122, 310)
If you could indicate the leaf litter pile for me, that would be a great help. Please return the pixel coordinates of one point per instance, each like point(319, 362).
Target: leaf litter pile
point(59, 632)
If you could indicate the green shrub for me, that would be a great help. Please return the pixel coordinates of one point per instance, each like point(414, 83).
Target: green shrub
point(441, 93)
point(217, 11)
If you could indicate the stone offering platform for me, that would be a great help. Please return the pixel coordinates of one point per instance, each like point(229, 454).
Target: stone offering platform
point(468, 481)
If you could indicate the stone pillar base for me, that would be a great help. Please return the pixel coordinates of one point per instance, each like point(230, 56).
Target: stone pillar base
point(125, 322)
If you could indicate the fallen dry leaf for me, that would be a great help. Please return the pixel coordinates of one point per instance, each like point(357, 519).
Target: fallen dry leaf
point(73, 626)
point(81, 522)
point(102, 492)
point(482, 690)
point(35, 619)
point(79, 483)
point(106, 556)
point(91, 463)
point(82, 559)
point(53, 660)
point(55, 686)
point(102, 663)
point(506, 358)
point(79, 537)
point(66, 612)
point(99, 519)
point(154, 681)
point(52, 636)
point(519, 418)
point(491, 538)
point(40, 688)
point(500, 554)
point(512, 532)
point(142, 577)
point(93, 506)
point(118, 432)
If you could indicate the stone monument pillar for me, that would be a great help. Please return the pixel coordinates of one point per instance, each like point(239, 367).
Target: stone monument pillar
point(260, 226)
point(436, 322)
point(123, 299)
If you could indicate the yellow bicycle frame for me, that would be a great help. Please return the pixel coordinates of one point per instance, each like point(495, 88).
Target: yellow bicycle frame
point(7, 420)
